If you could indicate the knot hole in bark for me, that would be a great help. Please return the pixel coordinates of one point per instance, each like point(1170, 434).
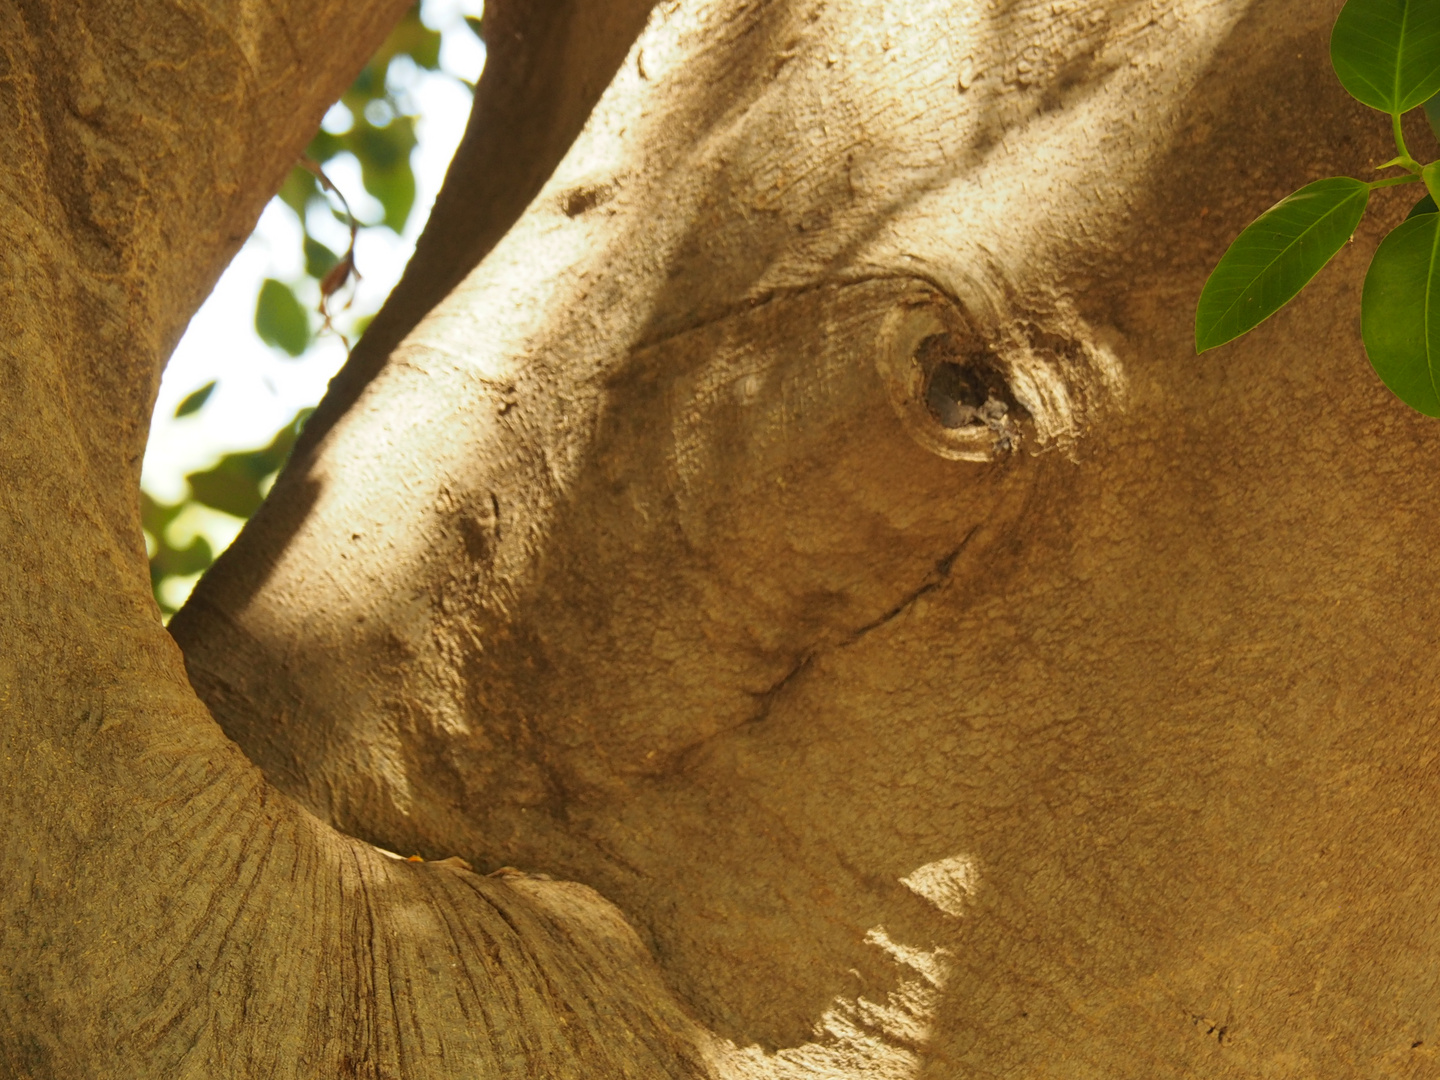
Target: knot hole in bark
point(964, 391)
point(947, 386)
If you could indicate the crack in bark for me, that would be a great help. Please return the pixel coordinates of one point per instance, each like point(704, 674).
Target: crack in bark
point(937, 578)
point(940, 575)
point(766, 698)
point(751, 303)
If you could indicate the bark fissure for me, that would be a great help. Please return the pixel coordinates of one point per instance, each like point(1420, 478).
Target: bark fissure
point(767, 698)
point(769, 296)
point(938, 577)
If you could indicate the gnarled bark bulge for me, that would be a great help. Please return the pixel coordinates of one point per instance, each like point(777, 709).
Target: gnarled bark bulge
point(780, 512)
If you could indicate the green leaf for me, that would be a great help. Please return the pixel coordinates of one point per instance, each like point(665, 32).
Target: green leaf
point(280, 320)
point(1424, 206)
point(395, 188)
point(195, 402)
point(370, 83)
point(299, 188)
point(322, 148)
point(383, 148)
point(319, 259)
point(475, 25)
point(1387, 52)
point(168, 560)
point(384, 156)
point(413, 38)
point(229, 486)
point(1276, 256)
point(1400, 312)
point(155, 517)
point(232, 485)
point(1430, 174)
point(180, 562)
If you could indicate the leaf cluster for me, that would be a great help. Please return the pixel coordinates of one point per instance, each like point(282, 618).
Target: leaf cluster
point(1386, 54)
point(234, 485)
point(381, 136)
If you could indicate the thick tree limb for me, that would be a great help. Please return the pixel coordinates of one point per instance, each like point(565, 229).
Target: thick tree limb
point(547, 63)
point(165, 913)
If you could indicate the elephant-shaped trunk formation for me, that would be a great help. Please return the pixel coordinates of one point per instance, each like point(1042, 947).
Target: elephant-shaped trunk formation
point(810, 531)
point(793, 493)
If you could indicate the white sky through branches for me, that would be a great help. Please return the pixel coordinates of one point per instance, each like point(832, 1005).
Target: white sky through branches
point(259, 388)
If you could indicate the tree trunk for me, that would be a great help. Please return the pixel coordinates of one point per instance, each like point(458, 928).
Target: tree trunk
point(168, 913)
point(808, 530)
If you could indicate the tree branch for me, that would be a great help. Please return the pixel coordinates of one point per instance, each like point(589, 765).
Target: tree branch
point(166, 913)
point(546, 66)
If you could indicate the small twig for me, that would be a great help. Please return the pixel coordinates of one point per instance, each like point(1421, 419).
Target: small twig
point(343, 270)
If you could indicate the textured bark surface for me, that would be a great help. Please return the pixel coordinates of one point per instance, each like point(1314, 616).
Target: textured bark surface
point(165, 913)
point(1090, 741)
point(810, 529)
point(547, 63)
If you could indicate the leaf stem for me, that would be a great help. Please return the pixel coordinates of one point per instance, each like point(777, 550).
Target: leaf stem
point(1404, 160)
point(1391, 181)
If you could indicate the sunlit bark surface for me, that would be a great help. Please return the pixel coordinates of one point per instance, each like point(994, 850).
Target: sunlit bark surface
point(802, 570)
point(166, 913)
